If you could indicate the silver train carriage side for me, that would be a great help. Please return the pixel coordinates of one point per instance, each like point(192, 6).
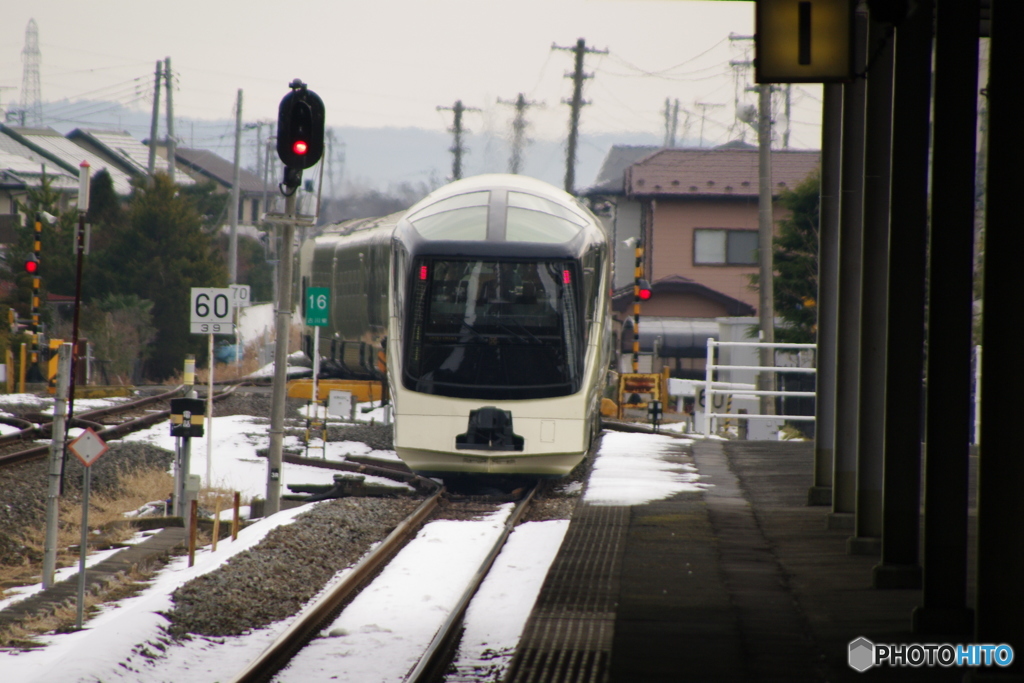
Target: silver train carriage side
point(491, 297)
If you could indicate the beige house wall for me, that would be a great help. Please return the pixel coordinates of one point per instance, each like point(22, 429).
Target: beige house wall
point(672, 251)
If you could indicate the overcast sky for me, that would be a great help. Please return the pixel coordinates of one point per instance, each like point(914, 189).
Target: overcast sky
point(393, 62)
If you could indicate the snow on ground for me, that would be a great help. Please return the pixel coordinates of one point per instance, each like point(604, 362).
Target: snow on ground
point(110, 639)
point(113, 646)
point(630, 470)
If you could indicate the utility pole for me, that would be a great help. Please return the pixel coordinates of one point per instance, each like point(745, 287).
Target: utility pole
point(457, 149)
point(155, 124)
point(704, 106)
point(577, 102)
point(233, 207)
point(330, 166)
point(789, 112)
point(335, 163)
point(765, 224)
point(671, 122)
point(168, 78)
point(518, 131)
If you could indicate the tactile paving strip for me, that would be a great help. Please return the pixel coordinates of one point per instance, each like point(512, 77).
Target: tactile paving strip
point(568, 637)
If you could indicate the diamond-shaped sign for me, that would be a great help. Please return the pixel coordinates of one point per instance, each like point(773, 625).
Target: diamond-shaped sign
point(88, 447)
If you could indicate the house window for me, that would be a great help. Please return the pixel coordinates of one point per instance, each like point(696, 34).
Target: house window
point(725, 247)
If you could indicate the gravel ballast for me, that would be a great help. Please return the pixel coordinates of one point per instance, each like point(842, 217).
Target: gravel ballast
point(273, 580)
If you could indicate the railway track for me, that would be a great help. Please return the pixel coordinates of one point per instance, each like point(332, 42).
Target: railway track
point(32, 430)
point(437, 656)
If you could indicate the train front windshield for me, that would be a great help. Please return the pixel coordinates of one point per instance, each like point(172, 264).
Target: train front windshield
point(494, 330)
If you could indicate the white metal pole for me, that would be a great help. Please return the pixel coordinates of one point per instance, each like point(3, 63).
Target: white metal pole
point(209, 421)
point(86, 481)
point(707, 386)
point(316, 371)
point(56, 461)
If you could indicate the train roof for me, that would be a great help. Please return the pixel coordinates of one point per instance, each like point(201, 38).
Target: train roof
point(500, 208)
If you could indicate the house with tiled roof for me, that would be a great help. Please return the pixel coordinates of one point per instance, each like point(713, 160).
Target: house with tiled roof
point(254, 194)
point(68, 155)
point(120, 148)
point(698, 210)
point(697, 213)
point(21, 170)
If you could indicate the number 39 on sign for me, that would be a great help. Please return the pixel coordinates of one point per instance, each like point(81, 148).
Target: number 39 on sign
point(211, 310)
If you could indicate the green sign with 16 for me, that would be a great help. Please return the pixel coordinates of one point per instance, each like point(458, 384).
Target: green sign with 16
point(318, 301)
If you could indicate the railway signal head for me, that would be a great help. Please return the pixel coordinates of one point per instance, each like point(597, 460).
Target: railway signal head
point(32, 264)
point(643, 289)
point(300, 127)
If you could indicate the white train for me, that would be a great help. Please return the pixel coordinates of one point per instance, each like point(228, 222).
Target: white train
point(490, 297)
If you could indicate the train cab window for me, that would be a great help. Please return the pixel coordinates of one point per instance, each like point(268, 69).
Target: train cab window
point(462, 217)
point(493, 330)
point(534, 219)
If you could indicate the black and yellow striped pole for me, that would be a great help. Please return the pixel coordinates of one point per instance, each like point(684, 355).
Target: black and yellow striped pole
point(641, 292)
point(638, 273)
point(32, 266)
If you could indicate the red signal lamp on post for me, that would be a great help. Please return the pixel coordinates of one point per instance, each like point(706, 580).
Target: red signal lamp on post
point(32, 264)
point(300, 131)
point(643, 289)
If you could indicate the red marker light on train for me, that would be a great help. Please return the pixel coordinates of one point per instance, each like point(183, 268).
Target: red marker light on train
point(300, 147)
point(423, 272)
point(566, 277)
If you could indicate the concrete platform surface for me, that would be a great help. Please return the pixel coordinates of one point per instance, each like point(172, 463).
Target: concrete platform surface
point(740, 582)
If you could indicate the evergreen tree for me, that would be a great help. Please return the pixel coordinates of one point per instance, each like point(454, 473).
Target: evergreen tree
point(122, 331)
point(159, 254)
point(796, 263)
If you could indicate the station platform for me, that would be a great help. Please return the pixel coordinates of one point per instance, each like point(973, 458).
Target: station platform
point(740, 582)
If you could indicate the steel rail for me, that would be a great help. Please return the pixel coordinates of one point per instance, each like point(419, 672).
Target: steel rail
point(112, 432)
point(438, 654)
point(314, 617)
point(42, 431)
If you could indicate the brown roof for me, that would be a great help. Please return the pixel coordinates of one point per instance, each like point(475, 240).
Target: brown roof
point(715, 172)
point(220, 170)
point(678, 284)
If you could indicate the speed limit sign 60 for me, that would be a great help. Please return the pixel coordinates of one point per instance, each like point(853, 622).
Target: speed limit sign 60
point(211, 311)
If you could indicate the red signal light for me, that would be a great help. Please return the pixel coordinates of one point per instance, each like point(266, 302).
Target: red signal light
point(32, 264)
point(643, 290)
point(423, 272)
point(300, 147)
point(566, 277)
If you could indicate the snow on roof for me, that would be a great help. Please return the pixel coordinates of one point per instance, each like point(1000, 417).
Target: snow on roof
point(29, 170)
point(129, 151)
point(50, 143)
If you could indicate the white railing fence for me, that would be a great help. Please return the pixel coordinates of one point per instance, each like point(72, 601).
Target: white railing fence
point(712, 387)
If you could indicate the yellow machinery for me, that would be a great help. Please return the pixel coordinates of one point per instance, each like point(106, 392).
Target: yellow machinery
point(362, 391)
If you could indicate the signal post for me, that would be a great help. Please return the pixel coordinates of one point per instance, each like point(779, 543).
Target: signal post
point(300, 144)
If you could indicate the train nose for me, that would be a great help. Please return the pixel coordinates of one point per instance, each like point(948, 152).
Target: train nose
point(490, 429)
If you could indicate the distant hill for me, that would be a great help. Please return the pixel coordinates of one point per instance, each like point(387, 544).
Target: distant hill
point(374, 158)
